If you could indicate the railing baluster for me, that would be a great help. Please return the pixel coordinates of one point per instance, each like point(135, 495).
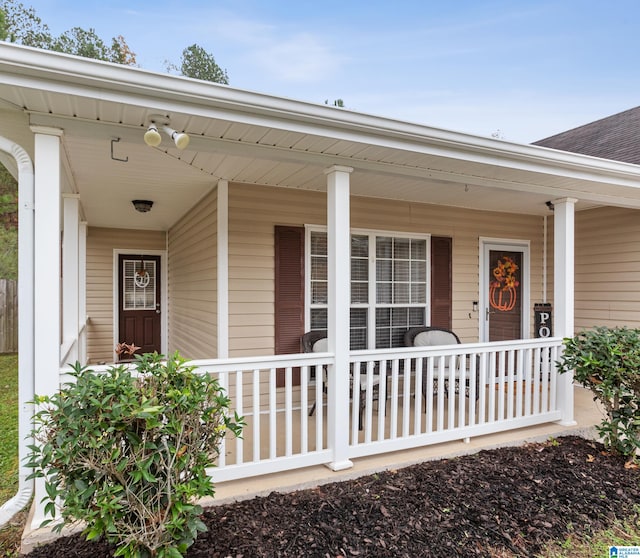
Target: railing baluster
point(239, 408)
point(511, 373)
point(288, 411)
point(536, 381)
point(406, 397)
point(273, 409)
point(304, 406)
point(417, 396)
point(382, 398)
point(256, 415)
point(441, 393)
point(462, 388)
point(393, 433)
point(546, 356)
point(222, 459)
point(429, 395)
point(319, 407)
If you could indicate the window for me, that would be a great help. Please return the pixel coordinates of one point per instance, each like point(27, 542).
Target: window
point(139, 284)
point(388, 286)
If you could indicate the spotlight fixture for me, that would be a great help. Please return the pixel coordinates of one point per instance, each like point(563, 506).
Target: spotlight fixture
point(143, 206)
point(549, 205)
point(153, 138)
point(181, 140)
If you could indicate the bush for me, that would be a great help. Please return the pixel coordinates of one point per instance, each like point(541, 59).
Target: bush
point(125, 451)
point(607, 361)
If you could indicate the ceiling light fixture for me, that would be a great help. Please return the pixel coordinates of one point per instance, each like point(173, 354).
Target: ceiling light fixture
point(153, 138)
point(143, 206)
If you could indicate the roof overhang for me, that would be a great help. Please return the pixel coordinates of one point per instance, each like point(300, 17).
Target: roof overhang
point(247, 137)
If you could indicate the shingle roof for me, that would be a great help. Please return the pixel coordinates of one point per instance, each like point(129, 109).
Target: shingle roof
point(616, 137)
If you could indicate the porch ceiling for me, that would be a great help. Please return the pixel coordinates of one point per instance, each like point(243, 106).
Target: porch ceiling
point(248, 138)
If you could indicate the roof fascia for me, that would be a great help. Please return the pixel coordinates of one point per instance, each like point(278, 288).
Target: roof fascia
point(59, 73)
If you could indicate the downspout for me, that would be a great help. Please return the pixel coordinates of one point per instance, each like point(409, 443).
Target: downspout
point(25, 326)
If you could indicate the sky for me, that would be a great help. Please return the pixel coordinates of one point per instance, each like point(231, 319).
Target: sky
point(521, 70)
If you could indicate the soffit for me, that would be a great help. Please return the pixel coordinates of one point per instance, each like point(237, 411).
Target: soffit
point(227, 147)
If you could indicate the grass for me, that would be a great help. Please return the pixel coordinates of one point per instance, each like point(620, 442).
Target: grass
point(621, 533)
point(8, 426)
point(10, 535)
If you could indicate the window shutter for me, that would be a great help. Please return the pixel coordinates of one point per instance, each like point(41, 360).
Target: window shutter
point(289, 291)
point(441, 282)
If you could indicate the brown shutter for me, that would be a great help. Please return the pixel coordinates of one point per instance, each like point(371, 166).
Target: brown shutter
point(289, 291)
point(441, 282)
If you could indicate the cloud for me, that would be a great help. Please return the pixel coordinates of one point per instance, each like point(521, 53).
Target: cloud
point(277, 51)
point(300, 58)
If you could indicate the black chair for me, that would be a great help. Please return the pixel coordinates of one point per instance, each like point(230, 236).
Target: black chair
point(426, 336)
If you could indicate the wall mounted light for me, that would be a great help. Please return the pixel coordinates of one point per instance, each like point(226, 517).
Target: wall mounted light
point(153, 138)
point(143, 206)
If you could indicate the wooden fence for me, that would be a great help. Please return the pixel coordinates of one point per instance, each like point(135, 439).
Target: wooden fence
point(8, 316)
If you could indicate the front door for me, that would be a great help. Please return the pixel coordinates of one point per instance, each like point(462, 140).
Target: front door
point(139, 302)
point(504, 292)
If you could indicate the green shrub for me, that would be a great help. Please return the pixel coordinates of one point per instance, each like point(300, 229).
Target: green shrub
point(125, 451)
point(607, 361)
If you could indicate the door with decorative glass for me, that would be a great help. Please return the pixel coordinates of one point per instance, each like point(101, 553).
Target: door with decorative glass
point(139, 302)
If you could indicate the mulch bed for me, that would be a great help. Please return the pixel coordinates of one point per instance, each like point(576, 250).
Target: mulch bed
point(503, 502)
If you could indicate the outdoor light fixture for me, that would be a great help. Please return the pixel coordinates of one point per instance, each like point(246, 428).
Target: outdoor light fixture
point(549, 205)
point(153, 138)
point(143, 206)
point(181, 140)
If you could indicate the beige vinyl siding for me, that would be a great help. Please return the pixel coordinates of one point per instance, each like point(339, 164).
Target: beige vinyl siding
point(607, 268)
point(253, 213)
point(255, 210)
point(101, 243)
point(193, 298)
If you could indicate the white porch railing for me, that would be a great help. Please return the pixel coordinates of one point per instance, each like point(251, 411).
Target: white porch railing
point(420, 396)
point(494, 387)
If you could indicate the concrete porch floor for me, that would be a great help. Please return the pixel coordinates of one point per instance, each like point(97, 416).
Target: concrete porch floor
point(587, 415)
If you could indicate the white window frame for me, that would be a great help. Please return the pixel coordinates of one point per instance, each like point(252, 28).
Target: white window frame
point(372, 305)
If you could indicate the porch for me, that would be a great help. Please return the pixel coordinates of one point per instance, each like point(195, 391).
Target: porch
point(425, 396)
point(426, 407)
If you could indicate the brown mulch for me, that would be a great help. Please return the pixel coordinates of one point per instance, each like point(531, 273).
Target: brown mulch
point(503, 502)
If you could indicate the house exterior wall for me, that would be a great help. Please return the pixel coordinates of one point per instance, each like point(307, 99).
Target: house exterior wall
point(255, 210)
point(192, 271)
point(101, 243)
point(607, 268)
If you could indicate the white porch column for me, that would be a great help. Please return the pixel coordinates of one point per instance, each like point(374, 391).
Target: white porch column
point(563, 297)
point(339, 303)
point(223, 269)
point(46, 275)
point(70, 278)
point(82, 291)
